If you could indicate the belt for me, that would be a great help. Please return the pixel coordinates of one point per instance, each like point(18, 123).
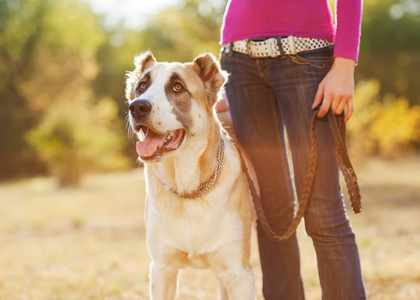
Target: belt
point(273, 47)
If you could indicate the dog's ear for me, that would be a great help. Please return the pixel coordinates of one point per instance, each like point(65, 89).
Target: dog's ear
point(212, 75)
point(142, 62)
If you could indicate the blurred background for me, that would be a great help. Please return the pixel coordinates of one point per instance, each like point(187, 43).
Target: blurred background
point(63, 63)
point(68, 172)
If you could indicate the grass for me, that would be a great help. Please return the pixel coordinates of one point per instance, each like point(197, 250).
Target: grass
point(89, 242)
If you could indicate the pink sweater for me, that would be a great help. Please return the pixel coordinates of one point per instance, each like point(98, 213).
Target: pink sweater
point(252, 19)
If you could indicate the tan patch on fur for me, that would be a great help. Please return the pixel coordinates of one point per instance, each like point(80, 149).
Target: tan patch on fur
point(142, 62)
point(179, 257)
point(211, 74)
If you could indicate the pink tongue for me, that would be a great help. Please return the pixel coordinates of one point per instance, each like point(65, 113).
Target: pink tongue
point(150, 144)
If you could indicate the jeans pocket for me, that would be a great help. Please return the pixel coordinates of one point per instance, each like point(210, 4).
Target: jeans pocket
point(319, 58)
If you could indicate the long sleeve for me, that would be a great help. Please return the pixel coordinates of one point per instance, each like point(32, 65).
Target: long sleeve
point(348, 22)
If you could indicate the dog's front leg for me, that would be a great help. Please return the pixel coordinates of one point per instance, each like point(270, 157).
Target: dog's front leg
point(163, 281)
point(223, 295)
point(236, 283)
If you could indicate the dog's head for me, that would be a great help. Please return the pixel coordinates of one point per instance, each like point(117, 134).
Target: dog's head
point(171, 102)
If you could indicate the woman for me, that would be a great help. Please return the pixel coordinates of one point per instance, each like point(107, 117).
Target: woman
point(286, 58)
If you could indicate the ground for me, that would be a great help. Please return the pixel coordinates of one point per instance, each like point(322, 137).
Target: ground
point(89, 242)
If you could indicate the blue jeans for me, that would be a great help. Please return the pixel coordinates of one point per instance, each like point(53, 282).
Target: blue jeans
point(268, 97)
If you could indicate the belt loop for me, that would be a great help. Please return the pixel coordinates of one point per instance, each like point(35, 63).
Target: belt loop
point(230, 45)
point(279, 44)
point(248, 47)
point(292, 44)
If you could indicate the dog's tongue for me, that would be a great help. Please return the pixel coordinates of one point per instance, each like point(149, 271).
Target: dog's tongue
point(151, 143)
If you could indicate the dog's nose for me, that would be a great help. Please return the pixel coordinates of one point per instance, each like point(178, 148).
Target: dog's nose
point(140, 108)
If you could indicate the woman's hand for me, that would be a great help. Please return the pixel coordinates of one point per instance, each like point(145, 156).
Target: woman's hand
point(221, 105)
point(336, 89)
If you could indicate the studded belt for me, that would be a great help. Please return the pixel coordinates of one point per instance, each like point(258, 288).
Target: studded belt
point(273, 47)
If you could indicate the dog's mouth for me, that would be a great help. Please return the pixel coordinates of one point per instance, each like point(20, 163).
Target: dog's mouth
point(153, 144)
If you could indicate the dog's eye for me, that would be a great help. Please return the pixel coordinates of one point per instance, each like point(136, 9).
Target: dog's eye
point(178, 88)
point(142, 87)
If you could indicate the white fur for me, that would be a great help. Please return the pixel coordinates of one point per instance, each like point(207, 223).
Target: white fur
point(212, 231)
point(156, 95)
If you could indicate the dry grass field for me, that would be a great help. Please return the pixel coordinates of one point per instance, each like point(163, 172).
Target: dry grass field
point(89, 242)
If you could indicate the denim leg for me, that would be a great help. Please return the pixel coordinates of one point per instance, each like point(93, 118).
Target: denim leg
point(264, 96)
point(259, 128)
point(325, 219)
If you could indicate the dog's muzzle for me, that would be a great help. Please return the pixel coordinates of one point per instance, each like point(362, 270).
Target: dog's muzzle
point(152, 144)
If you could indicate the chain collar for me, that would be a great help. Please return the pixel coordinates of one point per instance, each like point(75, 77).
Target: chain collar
point(205, 187)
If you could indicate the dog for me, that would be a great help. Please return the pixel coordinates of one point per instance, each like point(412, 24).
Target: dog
point(199, 212)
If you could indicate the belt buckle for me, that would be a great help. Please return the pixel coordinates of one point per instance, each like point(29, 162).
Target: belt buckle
point(273, 47)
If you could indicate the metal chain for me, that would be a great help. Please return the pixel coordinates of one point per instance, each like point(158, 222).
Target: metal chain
point(205, 187)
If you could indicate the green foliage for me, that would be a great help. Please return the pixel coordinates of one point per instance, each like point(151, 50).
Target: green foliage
point(20, 31)
point(50, 69)
point(78, 136)
point(390, 44)
point(71, 26)
point(182, 33)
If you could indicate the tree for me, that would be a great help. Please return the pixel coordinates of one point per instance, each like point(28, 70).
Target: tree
point(390, 47)
point(78, 136)
point(51, 67)
point(18, 42)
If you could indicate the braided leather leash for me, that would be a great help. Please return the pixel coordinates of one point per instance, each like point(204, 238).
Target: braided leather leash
point(344, 164)
point(343, 160)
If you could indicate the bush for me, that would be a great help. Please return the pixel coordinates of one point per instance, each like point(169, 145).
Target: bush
point(388, 127)
point(79, 136)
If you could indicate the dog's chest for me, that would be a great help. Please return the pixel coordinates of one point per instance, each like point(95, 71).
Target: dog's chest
point(194, 226)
